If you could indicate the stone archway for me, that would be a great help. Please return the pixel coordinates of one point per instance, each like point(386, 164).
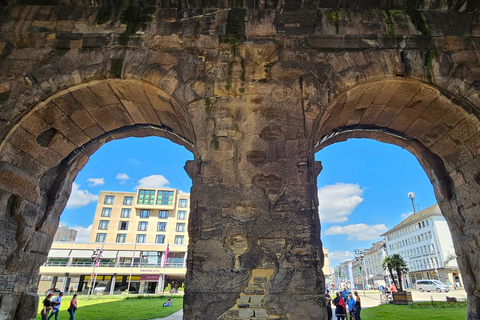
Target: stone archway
point(42, 154)
point(440, 132)
point(255, 79)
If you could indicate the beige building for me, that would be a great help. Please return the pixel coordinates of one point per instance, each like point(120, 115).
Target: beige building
point(133, 231)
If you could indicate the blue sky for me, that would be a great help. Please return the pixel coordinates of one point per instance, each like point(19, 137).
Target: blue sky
point(366, 184)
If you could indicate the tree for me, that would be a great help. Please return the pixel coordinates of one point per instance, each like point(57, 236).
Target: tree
point(400, 267)
point(396, 262)
point(387, 265)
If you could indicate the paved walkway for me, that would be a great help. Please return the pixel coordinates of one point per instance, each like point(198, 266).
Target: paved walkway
point(176, 316)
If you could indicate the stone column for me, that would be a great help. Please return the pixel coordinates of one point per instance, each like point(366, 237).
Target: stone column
point(54, 281)
point(65, 283)
point(255, 248)
point(112, 286)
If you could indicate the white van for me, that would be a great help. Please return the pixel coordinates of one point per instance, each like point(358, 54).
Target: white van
point(102, 286)
point(431, 285)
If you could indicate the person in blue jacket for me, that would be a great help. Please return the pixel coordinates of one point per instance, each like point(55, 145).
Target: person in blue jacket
point(351, 304)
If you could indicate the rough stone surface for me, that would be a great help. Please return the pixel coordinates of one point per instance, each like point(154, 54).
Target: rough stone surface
point(253, 90)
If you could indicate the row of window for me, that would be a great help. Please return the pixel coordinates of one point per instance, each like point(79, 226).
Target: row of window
point(141, 238)
point(411, 240)
point(430, 248)
point(406, 231)
point(142, 226)
point(126, 212)
point(148, 197)
point(422, 264)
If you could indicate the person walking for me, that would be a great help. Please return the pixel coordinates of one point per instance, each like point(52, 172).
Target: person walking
point(351, 304)
point(47, 306)
point(73, 307)
point(328, 300)
point(340, 309)
point(56, 303)
point(358, 306)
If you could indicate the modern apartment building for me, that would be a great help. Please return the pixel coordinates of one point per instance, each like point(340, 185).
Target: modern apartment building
point(133, 231)
point(425, 243)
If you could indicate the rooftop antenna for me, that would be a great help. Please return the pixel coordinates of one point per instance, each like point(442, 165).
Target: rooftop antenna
point(411, 196)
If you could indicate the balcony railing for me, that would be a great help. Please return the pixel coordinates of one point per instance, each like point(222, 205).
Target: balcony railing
point(112, 264)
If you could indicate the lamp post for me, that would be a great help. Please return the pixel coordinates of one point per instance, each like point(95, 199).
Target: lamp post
point(359, 255)
point(96, 258)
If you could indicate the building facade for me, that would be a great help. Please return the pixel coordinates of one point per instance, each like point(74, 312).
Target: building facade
point(143, 240)
point(424, 241)
point(64, 233)
point(376, 276)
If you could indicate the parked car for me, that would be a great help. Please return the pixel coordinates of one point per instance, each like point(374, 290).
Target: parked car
point(431, 285)
point(102, 286)
point(52, 290)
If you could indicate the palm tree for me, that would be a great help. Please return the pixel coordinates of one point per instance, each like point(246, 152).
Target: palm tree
point(400, 267)
point(387, 265)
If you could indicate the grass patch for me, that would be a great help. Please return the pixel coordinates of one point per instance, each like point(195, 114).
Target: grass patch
point(138, 307)
point(420, 310)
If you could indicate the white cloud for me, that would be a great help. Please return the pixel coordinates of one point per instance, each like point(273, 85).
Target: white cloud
point(337, 201)
point(83, 234)
point(359, 231)
point(340, 255)
point(122, 177)
point(80, 198)
point(92, 182)
point(153, 181)
point(134, 161)
point(406, 215)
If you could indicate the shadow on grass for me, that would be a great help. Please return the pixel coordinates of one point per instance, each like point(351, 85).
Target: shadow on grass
point(117, 308)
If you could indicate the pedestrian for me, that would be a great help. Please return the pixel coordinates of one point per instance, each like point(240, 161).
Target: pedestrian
point(56, 303)
point(340, 309)
point(351, 304)
point(73, 307)
point(393, 288)
point(358, 306)
point(328, 300)
point(47, 306)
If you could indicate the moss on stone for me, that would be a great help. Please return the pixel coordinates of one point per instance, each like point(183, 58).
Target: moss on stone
point(332, 16)
point(116, 66)
point(235, 28)
point(429, 56)
point(420, 22)
point(104, 15)
point(208, 105)
point(215, 143)
point(228, 86)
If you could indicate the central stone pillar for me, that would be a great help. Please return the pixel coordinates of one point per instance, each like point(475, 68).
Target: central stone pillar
point(255, 249)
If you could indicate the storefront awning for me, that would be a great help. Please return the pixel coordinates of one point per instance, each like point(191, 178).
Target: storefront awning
point(129, 254)
point(58, 253)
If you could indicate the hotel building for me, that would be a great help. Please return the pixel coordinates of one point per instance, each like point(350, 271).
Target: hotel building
point(424, 241)
point(133, 230)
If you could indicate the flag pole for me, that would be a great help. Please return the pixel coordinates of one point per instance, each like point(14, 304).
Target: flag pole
point(131, 266)
point(165, 259)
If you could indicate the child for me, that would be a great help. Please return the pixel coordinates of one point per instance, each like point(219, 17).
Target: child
point(168, 303)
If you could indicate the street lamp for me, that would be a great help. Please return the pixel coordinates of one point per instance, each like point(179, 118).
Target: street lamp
point(359, 255)
point(96, 258)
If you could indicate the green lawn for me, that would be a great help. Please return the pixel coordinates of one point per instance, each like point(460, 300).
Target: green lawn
point(417, 311)
point(117, 307)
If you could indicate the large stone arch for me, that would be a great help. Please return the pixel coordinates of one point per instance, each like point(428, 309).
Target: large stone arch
point(42, 154)
point(441, 132)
